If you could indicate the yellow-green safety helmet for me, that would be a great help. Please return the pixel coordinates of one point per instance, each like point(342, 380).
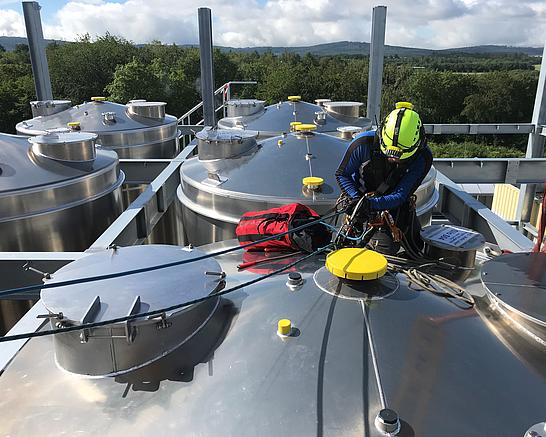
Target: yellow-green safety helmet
point(402, 132)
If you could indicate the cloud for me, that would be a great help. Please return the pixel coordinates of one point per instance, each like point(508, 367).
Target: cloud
point(241, 23)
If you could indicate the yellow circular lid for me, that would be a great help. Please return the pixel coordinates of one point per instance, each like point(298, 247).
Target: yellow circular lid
point(73, 124)
point(295, 123)
point(305, 127)
point(294, 98)
point(98, 99)
point(284, 326)
point(356, 264)
point(312, 181)
point(406, 105)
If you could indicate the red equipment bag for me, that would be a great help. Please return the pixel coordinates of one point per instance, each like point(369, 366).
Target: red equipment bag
point(257, 225)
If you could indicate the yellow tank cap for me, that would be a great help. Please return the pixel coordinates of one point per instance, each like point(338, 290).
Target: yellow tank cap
point(305, 127)
point(356, 264)
point(295, 123)
point(312, 181)
point(294, 98)
point(98, 99)
point(73, 124)
point(406, 105)
point(284, 326)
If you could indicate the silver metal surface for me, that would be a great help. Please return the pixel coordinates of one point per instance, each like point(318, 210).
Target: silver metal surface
point(347, 132)
point(66, 147)
point(344, 109)
point(237, 377)
point(36, 45)
point(48, 107)
point(460, 208)
point(129, 135)
point(492, 170)
point(215, 144)
point(244, 107)
point(207, 66)
point(125, 346)
point(535, 145)
point(275, 119)
point(214, 195)
point(479, 128)
point(377, 53)
point(146, 109)
point(47, 204)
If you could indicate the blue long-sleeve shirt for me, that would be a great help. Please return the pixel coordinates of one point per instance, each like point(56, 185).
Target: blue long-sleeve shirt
point(358, 153)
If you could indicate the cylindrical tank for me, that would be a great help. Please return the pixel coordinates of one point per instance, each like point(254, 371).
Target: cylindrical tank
point(57, 193)
point(273, 120)
point(301, 353)
point(137, 130)
point(247, 175)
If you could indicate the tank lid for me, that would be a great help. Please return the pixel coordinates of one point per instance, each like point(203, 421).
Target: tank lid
point(65, 146)
point(48, 107)
point(224, 143)
point(245, 102)
point(146, 109)
point(356, 264)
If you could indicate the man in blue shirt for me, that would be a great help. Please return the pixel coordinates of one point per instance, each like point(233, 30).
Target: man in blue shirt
point(386, 167)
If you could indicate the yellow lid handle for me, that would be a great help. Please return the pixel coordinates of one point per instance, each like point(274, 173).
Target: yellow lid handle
point(406, 105)
point(98, 99)
point(294, 98)
point(284, 326)
point(295, 123)
point(312, 181)
point(356, 264)
point(73, 124)
point(305, 127)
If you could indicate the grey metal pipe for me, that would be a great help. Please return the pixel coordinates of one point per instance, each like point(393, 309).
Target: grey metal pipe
point(36, 44)
point(207, 71)
point(377, 53)
point(535, 145)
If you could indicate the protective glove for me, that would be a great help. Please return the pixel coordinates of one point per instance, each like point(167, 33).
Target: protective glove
point(359, 210)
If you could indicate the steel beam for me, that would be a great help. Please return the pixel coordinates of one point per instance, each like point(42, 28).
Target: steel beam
point(207, 66)
point(462, 209)
point(480, 129)
point(135, 224)
point(377, 54)
point(36, 45)
point(535, 145)
point(492, 170)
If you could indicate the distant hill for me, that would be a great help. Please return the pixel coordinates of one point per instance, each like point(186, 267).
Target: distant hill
point(341, 48)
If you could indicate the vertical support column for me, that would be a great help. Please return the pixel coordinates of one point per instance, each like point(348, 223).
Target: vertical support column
point(36, 44)
point(207, 73)
point(377, 53)
point(535, 145)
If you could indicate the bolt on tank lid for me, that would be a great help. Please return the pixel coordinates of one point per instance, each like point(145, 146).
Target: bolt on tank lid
point(65, 146)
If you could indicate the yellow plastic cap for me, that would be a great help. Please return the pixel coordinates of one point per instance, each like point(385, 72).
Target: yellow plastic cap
point(98, 99)
point(73, 124)
point(406, 105)
point(305, 127)
point(356, 264)
point(294, 98)
point(312, 181)
point(284, 326)
point(295, 123)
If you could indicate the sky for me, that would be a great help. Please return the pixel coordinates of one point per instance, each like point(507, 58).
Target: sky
point(432, 24)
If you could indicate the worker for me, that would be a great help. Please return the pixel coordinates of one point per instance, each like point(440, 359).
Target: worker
point(386, 166)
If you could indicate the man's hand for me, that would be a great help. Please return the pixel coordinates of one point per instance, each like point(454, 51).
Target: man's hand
point(359, 210)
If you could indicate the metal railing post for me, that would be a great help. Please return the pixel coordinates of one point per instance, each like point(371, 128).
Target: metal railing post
point(535, 146)
point(377, 53)
point(36, 45)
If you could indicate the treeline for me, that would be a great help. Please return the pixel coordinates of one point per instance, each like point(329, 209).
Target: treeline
point(118, 69)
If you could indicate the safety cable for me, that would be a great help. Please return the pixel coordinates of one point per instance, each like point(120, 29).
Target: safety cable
point(160, 311)
point(10, 291)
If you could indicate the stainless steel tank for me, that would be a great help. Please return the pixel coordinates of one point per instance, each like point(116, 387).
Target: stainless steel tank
point(137, 130)
point(234, 173)
point(350, 349)
point(57, 193)
point(273, 120)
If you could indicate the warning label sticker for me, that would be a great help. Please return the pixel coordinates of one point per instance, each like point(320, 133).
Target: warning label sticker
point(452, 236)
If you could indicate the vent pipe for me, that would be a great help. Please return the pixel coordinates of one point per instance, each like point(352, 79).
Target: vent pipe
point(377, 53)
point(36, 45)
point(207, 73)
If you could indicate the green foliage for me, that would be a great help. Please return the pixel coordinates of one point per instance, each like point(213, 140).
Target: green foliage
point(493, 88)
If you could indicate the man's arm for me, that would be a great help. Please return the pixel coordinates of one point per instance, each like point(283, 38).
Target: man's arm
point(403, 190)
point(357, 153)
